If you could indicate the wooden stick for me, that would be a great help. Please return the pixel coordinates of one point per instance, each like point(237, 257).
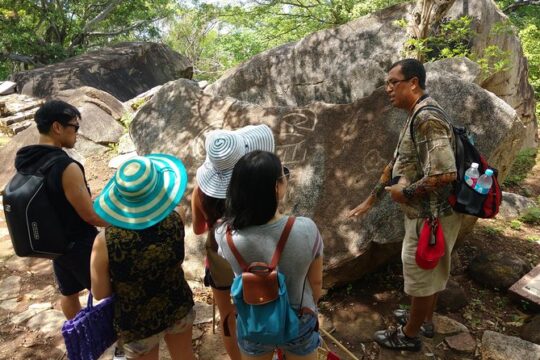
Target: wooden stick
point(214, 314)
point(338, 343)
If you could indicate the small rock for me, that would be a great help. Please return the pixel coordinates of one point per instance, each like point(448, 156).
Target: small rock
point(116, 161)
point(125, 144)
point(27, 314)
point(40, 306)
point(514, 205)
point(463, 343)
point(41, 267)
point(9, 305)
point(446, 326)
point(452, 298)
point(496, 346)
point(10, 287)
point(9, 87)
point(40, 293)
point(48, 321)
point(204, 313)
point(6, 248)
point(498, 270)
point(197, 333)
point(325, 322)
point(16, 263)
point(531, 330)
point(356, 323)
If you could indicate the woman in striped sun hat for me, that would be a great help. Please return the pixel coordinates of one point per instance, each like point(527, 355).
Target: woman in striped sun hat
point(223, 149)
point(138, 258)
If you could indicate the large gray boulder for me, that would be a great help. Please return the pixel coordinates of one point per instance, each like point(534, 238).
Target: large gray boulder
point(336, 153)
point(124, 70)
point(100, 127)
point(346, 63)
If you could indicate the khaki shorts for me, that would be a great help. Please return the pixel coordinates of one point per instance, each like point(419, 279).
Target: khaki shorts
point(140, 347)
point(420, 282)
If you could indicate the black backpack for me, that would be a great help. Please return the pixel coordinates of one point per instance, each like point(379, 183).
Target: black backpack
point(464, 199)
point(34, 225)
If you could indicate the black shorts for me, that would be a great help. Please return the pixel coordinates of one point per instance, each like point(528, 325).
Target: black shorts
point(72, 270)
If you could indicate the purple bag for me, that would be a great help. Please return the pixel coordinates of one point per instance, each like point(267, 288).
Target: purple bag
point(91, 331)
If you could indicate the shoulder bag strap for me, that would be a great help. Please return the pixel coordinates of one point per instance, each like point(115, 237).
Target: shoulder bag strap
point(235, 251)
point(282, 241)
point(427, 107)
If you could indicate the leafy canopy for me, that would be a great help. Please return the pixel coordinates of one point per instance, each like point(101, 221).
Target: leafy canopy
point(44, 32)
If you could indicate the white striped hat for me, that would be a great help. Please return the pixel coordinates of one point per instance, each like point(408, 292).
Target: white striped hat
point(143, 191)
point(223, 150)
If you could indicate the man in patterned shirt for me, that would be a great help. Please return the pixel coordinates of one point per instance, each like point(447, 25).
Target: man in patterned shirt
point(422, 172)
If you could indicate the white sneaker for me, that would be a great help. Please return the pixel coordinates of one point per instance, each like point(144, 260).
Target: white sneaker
point(119, 353)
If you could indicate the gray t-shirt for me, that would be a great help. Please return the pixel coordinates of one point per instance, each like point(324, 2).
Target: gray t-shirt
point(258, 243)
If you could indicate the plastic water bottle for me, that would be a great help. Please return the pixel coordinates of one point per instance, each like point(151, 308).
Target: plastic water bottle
point(484, 182)
point(471, 175)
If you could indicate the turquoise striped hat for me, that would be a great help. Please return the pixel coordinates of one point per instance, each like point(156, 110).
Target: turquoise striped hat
point(143, 191)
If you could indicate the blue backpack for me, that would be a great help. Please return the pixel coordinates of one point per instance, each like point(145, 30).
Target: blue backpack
point(264, 314)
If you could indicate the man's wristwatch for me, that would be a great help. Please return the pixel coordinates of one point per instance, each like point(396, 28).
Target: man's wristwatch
point(408, 192)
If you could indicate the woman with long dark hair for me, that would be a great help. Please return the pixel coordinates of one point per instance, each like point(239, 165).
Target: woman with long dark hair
point(258, 186)
point(223, 149)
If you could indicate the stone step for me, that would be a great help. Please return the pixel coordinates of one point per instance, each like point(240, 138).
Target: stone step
point(20, 126)
point(21, 116)
point(21, 103)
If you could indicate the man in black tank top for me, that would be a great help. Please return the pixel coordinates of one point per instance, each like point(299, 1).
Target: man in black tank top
point(58, 124)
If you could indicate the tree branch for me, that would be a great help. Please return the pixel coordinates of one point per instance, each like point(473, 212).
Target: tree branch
point(520, 3)
point(20, 58)
point(102, 15)
point(124, 30)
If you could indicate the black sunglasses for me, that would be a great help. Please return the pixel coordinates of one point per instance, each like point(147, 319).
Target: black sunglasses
point(76, 127)
point(286, 173)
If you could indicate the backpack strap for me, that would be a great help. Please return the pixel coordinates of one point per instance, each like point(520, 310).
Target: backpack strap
point(282, 240)
point(50, 162)
point(235, 251)
point(427, 107)
point(277, 254)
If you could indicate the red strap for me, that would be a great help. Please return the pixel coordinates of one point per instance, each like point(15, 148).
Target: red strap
point(279, 248)
point(234, 250)
point(282, 240)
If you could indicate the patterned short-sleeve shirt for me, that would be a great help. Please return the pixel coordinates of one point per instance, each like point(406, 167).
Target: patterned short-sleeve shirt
point(431, 153)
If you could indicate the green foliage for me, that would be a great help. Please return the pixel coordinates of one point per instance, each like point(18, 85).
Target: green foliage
point(492, 230)
point(533, 238)
point(127, 118)
point(44, 32)
point(530, 39)
point(515, 225)
point(451, 38)
point(523, 163)
point(531, 216)
point(216, 38)
point(527, 21)
point(493, 60)
point(137, 104)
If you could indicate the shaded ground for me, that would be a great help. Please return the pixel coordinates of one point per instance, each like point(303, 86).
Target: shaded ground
point(350, 313)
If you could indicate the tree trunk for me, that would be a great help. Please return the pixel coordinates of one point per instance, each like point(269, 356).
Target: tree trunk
point(425, 15)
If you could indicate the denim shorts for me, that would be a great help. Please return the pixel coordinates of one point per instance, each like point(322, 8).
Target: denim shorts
point(307, 341)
